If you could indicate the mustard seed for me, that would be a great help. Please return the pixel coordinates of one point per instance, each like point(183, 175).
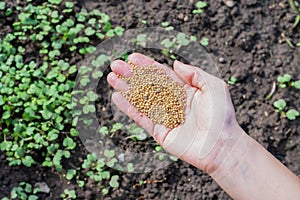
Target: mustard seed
point(156, 95)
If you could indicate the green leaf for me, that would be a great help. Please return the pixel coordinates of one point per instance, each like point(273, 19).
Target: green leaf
point(116, 127)
point(69, 143)
point(109, 153)
point(182, 40)
point(2, 5)
point(119, 31)
point(84, 69)
point(105, 191)
point(193, 38)
point(280, 104)
point(167, 43)
point(100, 60)
point(130, 167)
point(89, 31)
point(232, 80)
point(284, 79)
point(1, 100)
point(6, 115)
point(114, 181)
point(292, 114)
point(70, 174)
point(92, 96)
point(69, 4)
point(84, 81)
point(28, 161)
point(72, 69)
point(97, 74)
point(165, 24)
point(158, 148)
point(33, 197)
point(55, 1)
point(46, 114)
point(296, 85)
point(88, 109)
point(201, 4)
point(204, 41)
point(104, 130)
point(74, 132)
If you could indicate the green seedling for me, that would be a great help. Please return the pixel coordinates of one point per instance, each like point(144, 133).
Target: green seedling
point(2, 5)
point(284, 80)
point(232, 80)
point(167, 26)
point(296, 7)
point(296, 84)
point(204, 41)
point(279, 105)
point(114, 181)
point(200, 5)
point(68, 194)
point(36, 98)
point(24, 191)
point(70, 174)
point(130, 167)
point(292, 114)
point(136, 133)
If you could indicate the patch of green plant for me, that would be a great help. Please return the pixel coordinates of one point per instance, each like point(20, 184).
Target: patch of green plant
point(68, 194)
point(292, 114)
point(136, 133)
point(167, 26)
point(36, 91)
point(200, 5)
point(2, 5)
point(180, 40)
point(296, 84)
point(96, 169)
point(279, 105)
point(232, 80)
point(204, 41)
point(284, 80)
point(24, 191)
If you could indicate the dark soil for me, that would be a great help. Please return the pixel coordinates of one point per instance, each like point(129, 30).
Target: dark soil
point(247, 42)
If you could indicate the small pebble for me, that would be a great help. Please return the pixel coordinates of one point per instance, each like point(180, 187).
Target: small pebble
point(222, 60)
point(186, 18)
point(230, 3)
point(180, 16)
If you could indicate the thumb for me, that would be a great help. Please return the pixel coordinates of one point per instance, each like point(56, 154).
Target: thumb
point(191, 75)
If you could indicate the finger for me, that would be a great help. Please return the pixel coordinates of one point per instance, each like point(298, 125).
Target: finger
point(125, 106)
point(144, 61)
point(121, 67)
point(191, 75)
point(117, 83)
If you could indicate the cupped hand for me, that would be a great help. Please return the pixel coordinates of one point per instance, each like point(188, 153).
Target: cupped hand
point(209, 111)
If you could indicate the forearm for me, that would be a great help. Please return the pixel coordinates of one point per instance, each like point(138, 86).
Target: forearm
point(249, 171)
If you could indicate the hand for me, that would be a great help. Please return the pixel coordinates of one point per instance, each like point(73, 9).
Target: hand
point(209, 112)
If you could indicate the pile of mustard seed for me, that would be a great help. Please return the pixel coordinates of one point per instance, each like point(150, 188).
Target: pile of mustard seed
point(156, 95)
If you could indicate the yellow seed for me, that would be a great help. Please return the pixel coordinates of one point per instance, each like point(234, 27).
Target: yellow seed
point(156, 95)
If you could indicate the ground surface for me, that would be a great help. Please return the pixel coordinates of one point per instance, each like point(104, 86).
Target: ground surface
point(246, 41)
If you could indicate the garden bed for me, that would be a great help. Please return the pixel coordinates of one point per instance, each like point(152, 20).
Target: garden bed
point(247, 40)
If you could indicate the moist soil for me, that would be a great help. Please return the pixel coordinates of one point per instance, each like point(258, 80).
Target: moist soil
point(246, 40)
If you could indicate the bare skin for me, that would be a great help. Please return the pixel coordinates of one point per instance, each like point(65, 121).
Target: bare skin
point(211, 139)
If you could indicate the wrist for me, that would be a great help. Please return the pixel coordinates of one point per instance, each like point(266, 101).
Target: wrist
point(232, 139)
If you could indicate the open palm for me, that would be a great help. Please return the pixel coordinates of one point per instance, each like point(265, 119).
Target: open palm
point(208, 108)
